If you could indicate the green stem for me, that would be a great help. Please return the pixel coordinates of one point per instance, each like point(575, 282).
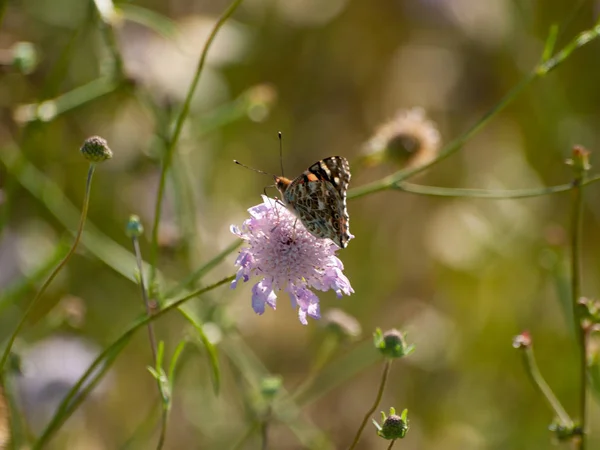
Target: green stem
point(152, 340)
point(151, 336)
point(576, 225)
point(264, 429)
point(386, 372)
point(172, 143)
point(450, 149)
point(196, 275)
point(64, 409)
point(242, 440)
point(3, 6)
point(538, 381)
point(64, 261)
point(539, 71)
point(435, 191)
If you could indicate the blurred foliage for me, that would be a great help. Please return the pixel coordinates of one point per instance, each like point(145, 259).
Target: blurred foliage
point(462, 276)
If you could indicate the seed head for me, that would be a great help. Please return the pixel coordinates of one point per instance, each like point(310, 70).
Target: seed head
point(95, 149)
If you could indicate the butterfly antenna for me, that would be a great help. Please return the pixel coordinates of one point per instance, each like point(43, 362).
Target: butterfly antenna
point(280, 151)
point(252, 168)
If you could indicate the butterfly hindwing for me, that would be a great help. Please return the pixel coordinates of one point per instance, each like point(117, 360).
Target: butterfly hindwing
point(318, 198)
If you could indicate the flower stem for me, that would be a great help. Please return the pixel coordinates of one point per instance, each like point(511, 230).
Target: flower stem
point(539, 71)
point(108, 355)
point(60, 265)
point(172, 142)
point(386, 371)
point(138, 258)
point(152, 339)
point(435, 191)
point(391, 444)
point(538, 381)
point(264, 429)
point(576, 225)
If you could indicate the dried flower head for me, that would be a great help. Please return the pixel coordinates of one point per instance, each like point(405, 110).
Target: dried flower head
point(410, 139)
point(342, 324)
point(287, 257)
point(95, 149)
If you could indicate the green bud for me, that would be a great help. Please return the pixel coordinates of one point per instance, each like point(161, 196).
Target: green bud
point(95, 149)
point(392, 343)
point(580, 159)
point(25, 57)
point(393, 426)
point(270, 386)
point(134, 227)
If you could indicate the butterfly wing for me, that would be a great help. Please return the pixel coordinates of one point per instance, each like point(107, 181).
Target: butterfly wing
point(318, 197)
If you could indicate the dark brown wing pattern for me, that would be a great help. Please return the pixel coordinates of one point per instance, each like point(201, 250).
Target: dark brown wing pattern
point(318, 197)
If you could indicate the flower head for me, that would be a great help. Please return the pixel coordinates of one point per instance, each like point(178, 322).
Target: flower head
point(95, 149)
point(410, 139)
point(287, 258)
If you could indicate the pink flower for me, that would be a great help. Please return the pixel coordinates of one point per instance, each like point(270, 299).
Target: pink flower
point(287, 257)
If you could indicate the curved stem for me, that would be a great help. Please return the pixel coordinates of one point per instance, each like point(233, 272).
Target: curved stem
point(386, 372)
point(60, 265)
point(67, 406)
point(576, 223)
point(539, 71)
point(539, 382)
point(436, 191)
point(171, 144)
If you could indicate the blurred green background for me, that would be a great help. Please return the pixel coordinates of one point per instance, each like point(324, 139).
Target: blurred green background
point(462, 276)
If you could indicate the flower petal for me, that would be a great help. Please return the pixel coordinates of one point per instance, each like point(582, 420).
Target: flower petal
point(262, 293)
point(307, 302)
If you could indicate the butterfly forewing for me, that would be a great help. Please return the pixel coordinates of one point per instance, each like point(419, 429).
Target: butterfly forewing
point(318, 198)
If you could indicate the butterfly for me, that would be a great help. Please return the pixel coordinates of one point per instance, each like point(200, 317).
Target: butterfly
point(318, 198)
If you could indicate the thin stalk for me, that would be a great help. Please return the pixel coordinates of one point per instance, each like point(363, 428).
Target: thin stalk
point(386, 372)
point(152, 339)
point(172, 143)
point(64, 261)
point(391, 444)
point(539, 382)
point(249, 432)
point(138, 259)
point(64, 409)
point(435, 191)
point(264, 429)
point(576, 225)
point(539, 71)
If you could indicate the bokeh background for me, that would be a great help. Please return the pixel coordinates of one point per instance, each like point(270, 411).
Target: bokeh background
point(462, 276)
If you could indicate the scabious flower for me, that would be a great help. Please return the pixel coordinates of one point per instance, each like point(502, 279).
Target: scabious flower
point(410, 139)
point(287, 258)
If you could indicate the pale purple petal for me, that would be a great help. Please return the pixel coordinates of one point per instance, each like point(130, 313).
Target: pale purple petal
point(262, 293)
point(285, 256)
point(307, 302)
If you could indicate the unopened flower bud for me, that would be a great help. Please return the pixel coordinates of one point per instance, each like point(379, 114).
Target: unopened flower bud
point(392, 343)
point(270, 386)
point(522, 340)
point(24, 57)
point(95, 149)
point(393, 426)
point(134, 227)
point(341, 324)
point(580, 159)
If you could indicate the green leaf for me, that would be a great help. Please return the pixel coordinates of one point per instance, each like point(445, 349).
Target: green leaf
point(150, 19)
point(211, 350)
